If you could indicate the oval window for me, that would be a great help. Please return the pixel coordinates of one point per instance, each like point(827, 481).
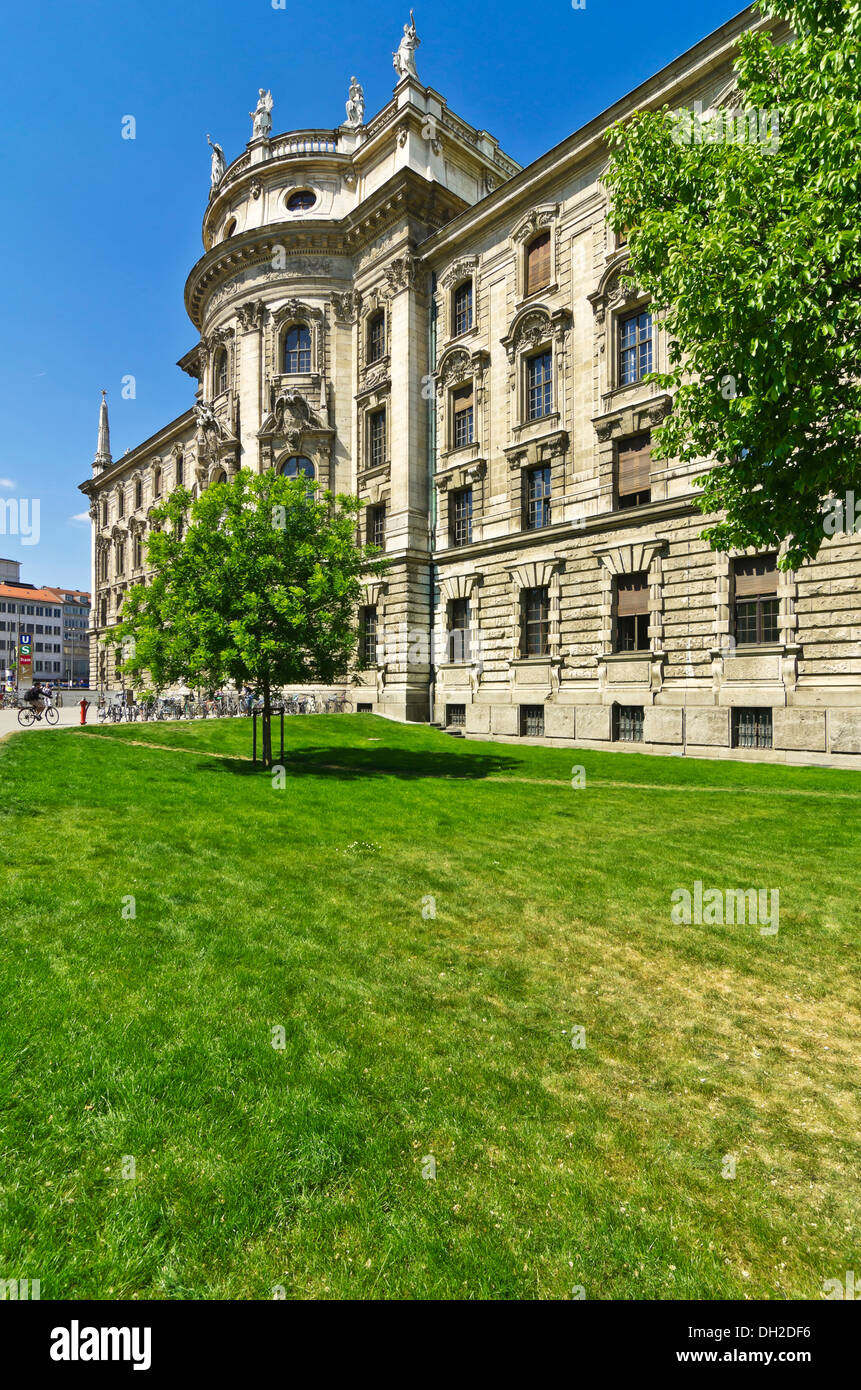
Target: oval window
point(301, 201)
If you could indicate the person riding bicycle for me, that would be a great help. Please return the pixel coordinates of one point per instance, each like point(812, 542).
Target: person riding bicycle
point(36, 697)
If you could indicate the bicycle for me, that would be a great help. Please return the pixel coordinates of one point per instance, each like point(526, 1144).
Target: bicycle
point(28, 715)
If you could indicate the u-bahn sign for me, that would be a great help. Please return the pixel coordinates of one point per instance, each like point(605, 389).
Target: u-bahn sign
point(25, 650)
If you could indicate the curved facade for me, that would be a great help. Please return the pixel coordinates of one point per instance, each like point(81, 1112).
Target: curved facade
point(400, 309)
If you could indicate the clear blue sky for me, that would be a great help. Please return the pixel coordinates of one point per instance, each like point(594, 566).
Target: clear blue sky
point(98, 233)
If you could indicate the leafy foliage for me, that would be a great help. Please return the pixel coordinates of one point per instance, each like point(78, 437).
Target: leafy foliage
point(754, 248)
point(257, 579)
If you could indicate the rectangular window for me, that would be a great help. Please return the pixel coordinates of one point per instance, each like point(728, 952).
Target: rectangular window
point(634, 471)
point(751, 728)
point(628, 723)
point(539, 386)
point(377, 439)
point(535, 621)
point(538, 263)
point(532, 721)
point(377, 526)
point(635, 347)
point(455, 716)
point(632, 613)
point(458, 630)
point(376, 337)
point(460, 516)
point(538, 498)
point(463, 416)
point(368, 636)
point(463, 307)
point(364, 709)
point(756, 605)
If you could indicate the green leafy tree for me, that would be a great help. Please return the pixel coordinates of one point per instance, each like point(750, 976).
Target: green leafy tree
point(750, 242)
point(257, 579)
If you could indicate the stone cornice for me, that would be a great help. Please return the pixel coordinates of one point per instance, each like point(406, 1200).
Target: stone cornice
point(535, 181)
point(405, 194)
point(142, 453)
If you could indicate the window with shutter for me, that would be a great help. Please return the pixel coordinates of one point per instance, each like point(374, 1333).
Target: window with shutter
point(756, 605)
point(632, 613)
point(463, 416)
point(634, 471)
point(538, 263)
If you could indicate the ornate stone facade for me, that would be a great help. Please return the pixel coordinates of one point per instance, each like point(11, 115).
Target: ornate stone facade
point(449, 336)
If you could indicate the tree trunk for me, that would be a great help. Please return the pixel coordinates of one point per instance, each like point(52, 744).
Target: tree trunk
point(266, 725)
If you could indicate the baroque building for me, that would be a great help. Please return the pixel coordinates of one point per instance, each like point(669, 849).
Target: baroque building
point(399, 310)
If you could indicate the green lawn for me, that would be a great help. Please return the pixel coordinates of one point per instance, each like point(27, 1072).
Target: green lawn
point(408, 1036)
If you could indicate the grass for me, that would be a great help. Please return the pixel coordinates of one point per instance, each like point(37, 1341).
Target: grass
point(408, 1035)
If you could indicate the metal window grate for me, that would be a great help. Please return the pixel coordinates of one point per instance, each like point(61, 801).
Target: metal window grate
point(752, 728)
point(532, 721)
point(455, 716)
point(629, 723)
point(362, 708)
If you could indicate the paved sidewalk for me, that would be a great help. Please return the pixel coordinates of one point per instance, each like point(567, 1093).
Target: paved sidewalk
point(70, 714)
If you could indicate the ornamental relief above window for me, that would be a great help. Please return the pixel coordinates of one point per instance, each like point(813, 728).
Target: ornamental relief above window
point(306, 353)
point(457, 298)
point(535, 244)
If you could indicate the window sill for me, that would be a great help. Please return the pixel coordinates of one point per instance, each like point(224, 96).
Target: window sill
point(535, 295)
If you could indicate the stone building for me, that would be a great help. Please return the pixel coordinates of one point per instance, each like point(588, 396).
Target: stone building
point(400, 310)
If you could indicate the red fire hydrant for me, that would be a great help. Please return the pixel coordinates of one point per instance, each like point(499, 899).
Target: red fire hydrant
point(85, 705)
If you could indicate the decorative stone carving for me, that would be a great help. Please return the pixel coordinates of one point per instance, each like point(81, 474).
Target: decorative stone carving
point(252, 314)
point(256, 188)
point(219, 166)
point(401, 274)
point(262, 116)
point(528, 331)
point(355, 105)
point(535, 221)
point(454, 367)
point(346, 305)
point(404, 60)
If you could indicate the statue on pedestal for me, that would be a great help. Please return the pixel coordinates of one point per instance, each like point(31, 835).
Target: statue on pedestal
point(262, 116)
point(355, 104)
point(404, 61)
point(219, 164)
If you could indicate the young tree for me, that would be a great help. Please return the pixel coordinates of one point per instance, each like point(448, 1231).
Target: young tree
point(257, 579)
point(752, 244)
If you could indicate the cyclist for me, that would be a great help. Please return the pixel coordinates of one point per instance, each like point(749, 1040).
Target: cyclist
point(35, 696)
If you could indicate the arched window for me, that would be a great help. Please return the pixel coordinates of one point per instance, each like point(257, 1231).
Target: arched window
point(104, 513)
point(297, 349)
point(121, 501)
point(156, 482)
point(138, 493)
point(376, 336)
point(296, 466)
point(220, 477)
point(538, 263)
point(221, 372)
point(230, 228)
point(180, 468)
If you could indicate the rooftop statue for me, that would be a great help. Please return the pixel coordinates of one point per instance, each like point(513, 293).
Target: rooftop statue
point(219, 164)
point(262, 115)
point(355, 104)
point(404, 61)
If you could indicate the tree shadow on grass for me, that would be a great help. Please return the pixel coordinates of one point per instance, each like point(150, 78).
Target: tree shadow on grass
point(351, 763)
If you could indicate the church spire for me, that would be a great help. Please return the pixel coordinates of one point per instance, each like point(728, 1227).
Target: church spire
point(103, 448)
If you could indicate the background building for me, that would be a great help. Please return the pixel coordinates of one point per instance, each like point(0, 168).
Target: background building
point(24, 608)
point(76, 633)
point(399, 310)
